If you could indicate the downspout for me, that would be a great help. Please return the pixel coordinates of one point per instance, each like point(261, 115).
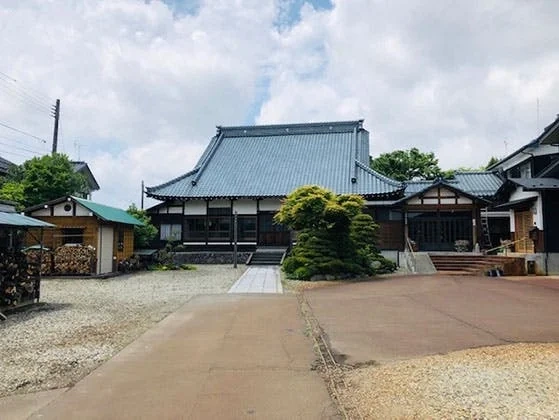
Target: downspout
point(545, 234)
point(355, 151)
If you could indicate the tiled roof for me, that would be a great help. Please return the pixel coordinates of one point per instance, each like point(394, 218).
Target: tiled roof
point(83, 168)
point(273, 160)
point(5, 165)
point(536, 184)
point(480, 184)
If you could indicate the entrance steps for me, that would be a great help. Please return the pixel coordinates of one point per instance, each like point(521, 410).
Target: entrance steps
point(462, 263)
point(267, 255)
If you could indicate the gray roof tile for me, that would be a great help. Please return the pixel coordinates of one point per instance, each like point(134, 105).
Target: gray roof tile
point(480, 184)
point(273, 160)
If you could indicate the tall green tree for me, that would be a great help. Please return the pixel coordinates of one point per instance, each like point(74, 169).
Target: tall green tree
point(12, 191)
point(145, 233)
point(405, 165)
point(43, 179)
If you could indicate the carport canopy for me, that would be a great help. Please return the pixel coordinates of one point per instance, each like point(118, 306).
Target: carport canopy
point(16, 220)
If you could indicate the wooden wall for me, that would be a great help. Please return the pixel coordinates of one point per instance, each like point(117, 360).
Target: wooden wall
point(52, 238)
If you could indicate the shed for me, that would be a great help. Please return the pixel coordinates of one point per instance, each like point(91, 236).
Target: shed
point(20, 282)
point(107, 233)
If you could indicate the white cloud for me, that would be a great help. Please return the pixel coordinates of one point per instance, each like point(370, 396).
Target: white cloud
point(456, 79)
point(143, 84)
point(141, 88)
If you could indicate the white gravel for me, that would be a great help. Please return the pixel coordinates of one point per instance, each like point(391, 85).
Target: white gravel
point(518, 381)
point(81, 323)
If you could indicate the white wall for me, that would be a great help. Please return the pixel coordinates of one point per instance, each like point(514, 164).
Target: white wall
point(537, 209)
point(195, 208)
point(244, 206)
point(270, 204)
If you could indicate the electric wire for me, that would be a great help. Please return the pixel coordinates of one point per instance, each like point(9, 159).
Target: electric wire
point(21, 148)
point(41, 97)
point(22, 154)
point(22, 132)
point(24, 98)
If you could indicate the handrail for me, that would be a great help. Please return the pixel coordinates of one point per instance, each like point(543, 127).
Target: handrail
point(410, 255)
point(505, 246)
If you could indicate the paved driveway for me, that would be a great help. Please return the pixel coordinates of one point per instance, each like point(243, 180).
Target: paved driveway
point(404, 317)
point(221, 356)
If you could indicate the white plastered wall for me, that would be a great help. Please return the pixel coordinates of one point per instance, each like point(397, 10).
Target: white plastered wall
point(244, 206)
point(270, 204)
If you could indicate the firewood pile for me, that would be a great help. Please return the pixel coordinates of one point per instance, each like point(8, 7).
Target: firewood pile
point(74, 259)
point(34, 260)
point(17, 285)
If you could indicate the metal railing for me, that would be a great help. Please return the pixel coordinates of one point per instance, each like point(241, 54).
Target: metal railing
point(409, 256)
point(506, 246)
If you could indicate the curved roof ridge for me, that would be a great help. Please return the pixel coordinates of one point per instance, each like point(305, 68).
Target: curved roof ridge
point(379, 175)
point(172, 181)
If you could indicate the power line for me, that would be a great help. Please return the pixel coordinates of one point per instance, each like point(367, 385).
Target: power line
point(21, 148)
point(21, 142)
point(32, 92)
point(24, 97)
point(24, 154)
point(22, 132)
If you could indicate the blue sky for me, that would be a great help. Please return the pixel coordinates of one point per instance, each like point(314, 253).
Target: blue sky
point(143, 84)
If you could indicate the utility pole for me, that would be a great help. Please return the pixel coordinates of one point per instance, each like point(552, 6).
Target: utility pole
point(142, 201)
point(56, 116)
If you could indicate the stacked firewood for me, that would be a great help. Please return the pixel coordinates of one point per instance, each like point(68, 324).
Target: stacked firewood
point(74, 259)
point(34, 262)
point(16, 284)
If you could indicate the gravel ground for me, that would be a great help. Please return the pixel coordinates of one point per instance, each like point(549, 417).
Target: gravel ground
point(518, 381)
point(80, 324)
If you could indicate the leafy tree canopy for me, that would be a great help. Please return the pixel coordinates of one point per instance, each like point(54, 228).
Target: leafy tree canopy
point(12, 191)
point(145, 233)
point(406, 165)
point(42, 179)
point(335, 238)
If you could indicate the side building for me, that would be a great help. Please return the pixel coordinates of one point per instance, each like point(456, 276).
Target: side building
point(531, 196)
point(107, 230)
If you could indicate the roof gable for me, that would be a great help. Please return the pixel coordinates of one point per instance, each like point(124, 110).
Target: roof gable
point(107, 213)
point(438, 183)
point(103, 212)
point(482, 184)
point(83, 168)
point(5, 165)
point(273, 160)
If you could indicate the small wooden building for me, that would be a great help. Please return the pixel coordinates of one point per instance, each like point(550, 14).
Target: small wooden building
point(20, 282)
point(79, 222)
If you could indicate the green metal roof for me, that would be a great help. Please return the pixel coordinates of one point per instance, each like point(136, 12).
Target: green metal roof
point(107, 213)
point(19, 220)
point(273, 160)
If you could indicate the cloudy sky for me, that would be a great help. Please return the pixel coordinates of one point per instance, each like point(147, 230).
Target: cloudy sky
point(144, 83)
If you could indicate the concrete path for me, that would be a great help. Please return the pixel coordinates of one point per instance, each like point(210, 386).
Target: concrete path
point(218, 357)
point(400, 318)
point(259, 279)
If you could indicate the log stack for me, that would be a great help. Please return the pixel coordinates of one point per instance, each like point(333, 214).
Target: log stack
point(74, 259)
point(17, 286)
point(34, 260)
